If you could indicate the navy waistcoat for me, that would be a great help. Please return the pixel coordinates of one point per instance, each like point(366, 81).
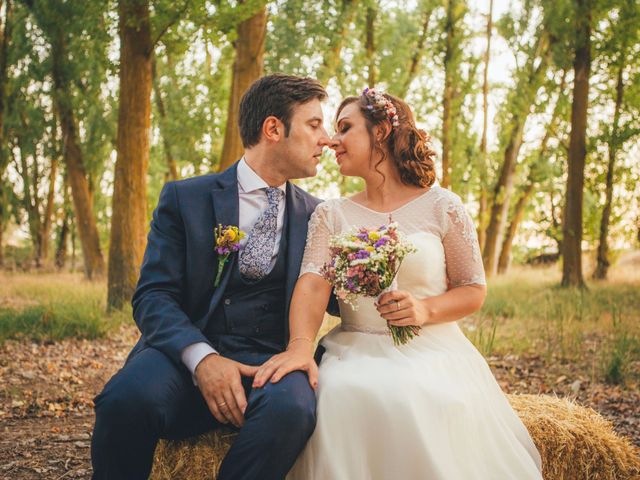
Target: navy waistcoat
point(254, 309)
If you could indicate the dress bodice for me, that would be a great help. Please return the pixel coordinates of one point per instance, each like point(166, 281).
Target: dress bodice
point(436, 223)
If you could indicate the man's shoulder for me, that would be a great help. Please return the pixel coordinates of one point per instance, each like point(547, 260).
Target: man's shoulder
point(311, 201)
point(199, 182)
point(190, 192)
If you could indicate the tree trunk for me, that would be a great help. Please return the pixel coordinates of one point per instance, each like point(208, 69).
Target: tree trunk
point(331, 59)
point(572, 221)
point(162, 114)
point(504, 186)
point(603, 263)
point(501, 197)
point(30, 200)
point(482, 213)
point(63, 234)
point(370, 46)
point(556, 227)
point(518, 214)
point(76, 174)
point(129, 202)
point(247, 68)
point(505, 252)
point(5, 38)
point(1, 245)
point(448, 94)
point(61, 247)
point(47, 220)
point(73, 245)
point(417, 54)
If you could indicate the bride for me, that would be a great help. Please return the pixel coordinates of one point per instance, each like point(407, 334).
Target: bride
point(429, 409)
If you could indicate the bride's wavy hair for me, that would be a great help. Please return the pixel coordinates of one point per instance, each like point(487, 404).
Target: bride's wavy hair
point(409, 146)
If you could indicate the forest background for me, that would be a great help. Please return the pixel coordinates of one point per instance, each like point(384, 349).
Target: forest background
point(533, 107)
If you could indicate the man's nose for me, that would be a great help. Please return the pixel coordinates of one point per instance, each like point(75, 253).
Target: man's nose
point(325, 141)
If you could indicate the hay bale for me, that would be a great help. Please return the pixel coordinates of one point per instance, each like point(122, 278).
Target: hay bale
point(575, 442)
point(194, 458)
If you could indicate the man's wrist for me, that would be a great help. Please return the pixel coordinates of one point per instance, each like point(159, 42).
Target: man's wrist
point(194, 354)
point(203, 359)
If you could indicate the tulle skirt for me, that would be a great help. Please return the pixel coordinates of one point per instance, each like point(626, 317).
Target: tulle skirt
point(430, 409)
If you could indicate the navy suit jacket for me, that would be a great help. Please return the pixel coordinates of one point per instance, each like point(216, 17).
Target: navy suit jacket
point(175, 297)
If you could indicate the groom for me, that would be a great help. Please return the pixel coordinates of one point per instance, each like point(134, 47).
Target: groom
point(200, 345)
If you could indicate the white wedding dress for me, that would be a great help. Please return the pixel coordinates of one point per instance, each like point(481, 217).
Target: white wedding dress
point(430, 409)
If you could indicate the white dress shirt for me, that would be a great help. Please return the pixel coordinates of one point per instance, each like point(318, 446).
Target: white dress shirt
point(252, 202)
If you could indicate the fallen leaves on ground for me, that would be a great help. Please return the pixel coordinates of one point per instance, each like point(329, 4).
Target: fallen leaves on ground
point(47, 391)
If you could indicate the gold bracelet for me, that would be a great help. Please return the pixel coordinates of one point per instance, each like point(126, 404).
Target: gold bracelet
point(299, 338)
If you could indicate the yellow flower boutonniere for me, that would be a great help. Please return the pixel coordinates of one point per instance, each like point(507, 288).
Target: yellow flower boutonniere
point(227, 241)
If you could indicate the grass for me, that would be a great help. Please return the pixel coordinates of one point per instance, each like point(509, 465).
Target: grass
point(525, 313)
point(50, 307)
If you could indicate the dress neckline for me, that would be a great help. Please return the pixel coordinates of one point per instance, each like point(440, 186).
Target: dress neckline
point(397, 209)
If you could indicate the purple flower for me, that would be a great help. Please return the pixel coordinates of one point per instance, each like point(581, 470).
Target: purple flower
point(362, 254)
point(381, 242)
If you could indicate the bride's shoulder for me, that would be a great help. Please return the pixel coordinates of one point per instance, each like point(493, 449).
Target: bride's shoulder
point(444, 197)
point(331, 204)
point(326, 208)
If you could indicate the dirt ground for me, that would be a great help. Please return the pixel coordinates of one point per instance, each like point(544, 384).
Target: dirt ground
point(46, 393)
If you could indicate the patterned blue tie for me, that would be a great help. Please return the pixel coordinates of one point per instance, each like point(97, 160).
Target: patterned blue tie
point(255, 257)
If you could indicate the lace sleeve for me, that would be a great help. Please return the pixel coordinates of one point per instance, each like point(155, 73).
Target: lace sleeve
point(320, 229)
point(461, 248)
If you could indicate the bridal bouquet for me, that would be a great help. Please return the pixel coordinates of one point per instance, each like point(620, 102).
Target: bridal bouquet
point(365, 262)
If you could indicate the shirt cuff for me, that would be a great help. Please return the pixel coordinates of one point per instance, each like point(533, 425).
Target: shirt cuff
point(193, 354)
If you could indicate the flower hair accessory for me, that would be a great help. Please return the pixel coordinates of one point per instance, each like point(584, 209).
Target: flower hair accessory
point(378, 102)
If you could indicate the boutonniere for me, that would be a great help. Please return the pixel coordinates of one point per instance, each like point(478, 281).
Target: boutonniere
point(227, 241)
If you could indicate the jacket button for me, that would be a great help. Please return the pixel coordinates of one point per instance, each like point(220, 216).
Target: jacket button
point(227, 301)
point(257, 330)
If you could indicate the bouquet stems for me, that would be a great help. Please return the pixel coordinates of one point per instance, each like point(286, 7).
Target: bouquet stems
point(402, 335)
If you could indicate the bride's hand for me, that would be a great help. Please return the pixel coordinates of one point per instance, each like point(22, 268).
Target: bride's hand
point(298, 356)
point(401, 309)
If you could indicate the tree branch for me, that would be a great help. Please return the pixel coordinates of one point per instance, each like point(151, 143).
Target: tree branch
point(169, 24)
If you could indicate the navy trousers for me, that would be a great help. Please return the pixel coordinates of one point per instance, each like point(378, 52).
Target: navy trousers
point(152, 398)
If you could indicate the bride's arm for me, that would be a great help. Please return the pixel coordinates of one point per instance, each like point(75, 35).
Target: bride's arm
point(308, 303)
point(310, 299)
point(465, 273)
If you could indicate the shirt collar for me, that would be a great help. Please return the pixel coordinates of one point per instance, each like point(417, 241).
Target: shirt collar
point(250, 181)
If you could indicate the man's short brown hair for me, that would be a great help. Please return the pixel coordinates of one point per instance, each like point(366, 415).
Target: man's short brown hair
point(274, 95)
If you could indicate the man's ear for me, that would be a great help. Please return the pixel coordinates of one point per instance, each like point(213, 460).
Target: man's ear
point(272, 129)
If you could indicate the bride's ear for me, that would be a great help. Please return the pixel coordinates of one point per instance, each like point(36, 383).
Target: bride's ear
point(381, 132)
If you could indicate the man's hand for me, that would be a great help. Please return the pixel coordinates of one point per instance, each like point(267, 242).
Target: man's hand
point(219, 381)
point(297, 357)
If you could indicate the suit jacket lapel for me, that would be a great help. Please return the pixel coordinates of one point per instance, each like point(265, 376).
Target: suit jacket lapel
point(297, 218)
point(224, 198)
